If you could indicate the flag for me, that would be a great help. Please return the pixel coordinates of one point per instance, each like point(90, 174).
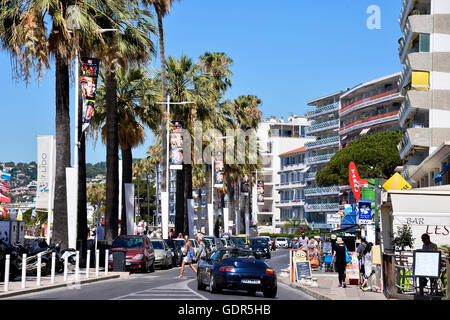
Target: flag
point(3, 211)
point(5, 175)
point(4, 189)
point(4, 198)
point(4, 184)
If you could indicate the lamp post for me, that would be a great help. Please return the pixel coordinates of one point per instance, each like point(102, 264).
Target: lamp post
point(165, 194)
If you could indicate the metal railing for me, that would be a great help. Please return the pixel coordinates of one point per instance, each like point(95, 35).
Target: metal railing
point(319, 159)
point(323, 126)
point(321, 191)
point(322, 207)
point(323, 110)
point(322, 142)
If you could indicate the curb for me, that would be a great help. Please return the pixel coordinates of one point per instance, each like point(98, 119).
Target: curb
point(54, 286)
point(308, 291)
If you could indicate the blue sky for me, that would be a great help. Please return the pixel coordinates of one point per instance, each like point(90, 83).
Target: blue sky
point(284, 52)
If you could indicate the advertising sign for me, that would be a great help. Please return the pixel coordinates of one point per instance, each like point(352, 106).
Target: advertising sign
point(176, 146)
point(244, 186)
point(352, 268)
point(356, 183)
point(333, 218)
point(260, 191)
point(218, 169)
point(88, 81)
point(45, 171)
point(396, 182)
point(365, 212)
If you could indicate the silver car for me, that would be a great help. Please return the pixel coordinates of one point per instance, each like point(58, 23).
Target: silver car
point(163, 254)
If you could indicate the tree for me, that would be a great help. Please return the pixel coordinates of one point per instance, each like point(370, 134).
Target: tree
point(403, 238)
point(24, 34)
point(375, 156)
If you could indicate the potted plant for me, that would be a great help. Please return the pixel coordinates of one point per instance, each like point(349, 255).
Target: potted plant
point(402, 240)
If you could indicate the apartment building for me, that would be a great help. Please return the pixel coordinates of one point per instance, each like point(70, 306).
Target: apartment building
point(369, 108)
point(276, 136)
point(292, 184)
point(424, 50)
point(325, 131)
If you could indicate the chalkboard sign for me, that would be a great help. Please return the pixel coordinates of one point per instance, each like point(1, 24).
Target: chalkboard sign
point(303, 269)
point(427, 263)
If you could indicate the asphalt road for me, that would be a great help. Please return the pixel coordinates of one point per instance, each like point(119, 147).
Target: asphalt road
point(163, 285)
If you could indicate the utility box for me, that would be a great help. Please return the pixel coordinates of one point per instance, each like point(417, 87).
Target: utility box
point(12, 232)
point(119, 260)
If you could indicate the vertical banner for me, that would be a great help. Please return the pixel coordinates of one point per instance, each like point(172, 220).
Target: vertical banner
point(244, 186)
point(247, 223)
point(120, 188)
point(218, 169)
point(71, 186)
point(364, 211)
point(238, 221)
point(260, 190)
point(165, 214)
point(129, 206)
point(190, 207)
point(356, 183)
point(45, 170)
point(225, 220)
point(88, 81)
point(210, 219)
point(176, 146)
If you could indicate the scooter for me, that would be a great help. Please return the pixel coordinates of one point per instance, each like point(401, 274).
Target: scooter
point(14, 271)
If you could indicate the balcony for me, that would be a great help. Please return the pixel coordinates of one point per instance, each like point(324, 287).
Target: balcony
point(293, 167)
point(380, 97)
point(414, 138)
point(319, 159)
point(289, 203)
point(265, 211)
point(323, 126)
point(310, 192)
point(322, 207)
point(322, 110)
point(412, 8)
point(310, 176)
point(405, 77)
point(291, 185)
point(369, 122)
point(326, 142)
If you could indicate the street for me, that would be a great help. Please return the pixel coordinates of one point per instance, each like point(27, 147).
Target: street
point(163, 285)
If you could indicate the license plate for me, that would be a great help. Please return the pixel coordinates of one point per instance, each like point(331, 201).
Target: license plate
point(251, 281)
point(128, 263)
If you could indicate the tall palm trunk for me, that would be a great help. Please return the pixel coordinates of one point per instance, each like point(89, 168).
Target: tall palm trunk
point(187, 195)
point(127, 177)
point(112, 157)
point(62, 125)
point(179, 203)
point(82, 230)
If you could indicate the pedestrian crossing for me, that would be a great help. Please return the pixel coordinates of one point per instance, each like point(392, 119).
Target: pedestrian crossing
point(173, 291)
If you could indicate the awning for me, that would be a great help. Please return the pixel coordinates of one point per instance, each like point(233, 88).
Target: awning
point(346, 228)
point(364, 131)
point(438, 178)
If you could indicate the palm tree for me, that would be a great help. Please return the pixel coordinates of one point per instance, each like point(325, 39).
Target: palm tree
point(162, 8)
point(24, 34)
point(131, 45)
point(136, 97)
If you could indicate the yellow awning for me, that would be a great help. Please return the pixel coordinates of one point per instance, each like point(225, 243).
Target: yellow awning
point(420, 80)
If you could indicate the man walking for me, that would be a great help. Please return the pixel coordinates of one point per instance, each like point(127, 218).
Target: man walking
point(304, 241)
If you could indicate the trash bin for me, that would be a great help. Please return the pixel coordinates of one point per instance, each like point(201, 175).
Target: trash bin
point(119, 260)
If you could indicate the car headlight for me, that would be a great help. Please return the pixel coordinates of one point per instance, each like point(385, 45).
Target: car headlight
point(138, 256)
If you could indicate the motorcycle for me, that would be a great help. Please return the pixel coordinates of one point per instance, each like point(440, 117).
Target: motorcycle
point(14, 270)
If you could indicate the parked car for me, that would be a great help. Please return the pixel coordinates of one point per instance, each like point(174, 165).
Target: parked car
point(261, 247)
point(140, 254)
point(245, 237)
point(238, 241)
point(216, 243)
point(181, 243)
point(177, 257)
point(163, 254)
point(282, 242)
point(236, 269)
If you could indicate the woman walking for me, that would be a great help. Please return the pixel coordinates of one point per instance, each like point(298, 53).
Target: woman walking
point(339, 256)
point(188, 257)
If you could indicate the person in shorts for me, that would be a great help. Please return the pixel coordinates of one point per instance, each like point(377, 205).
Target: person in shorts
point(188, 254)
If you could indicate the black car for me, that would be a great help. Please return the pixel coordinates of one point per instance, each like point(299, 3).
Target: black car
point(216, 243)
point(238, 242)
point(176, 249)
point(261, 247)
point(236, 269)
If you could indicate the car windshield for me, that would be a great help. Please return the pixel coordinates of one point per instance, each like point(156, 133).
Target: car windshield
point(157, 245)
point(128, 243)
point(239, 240)
point(226, 254)
point(258, 242)
point(170, 244)
point(181, 242)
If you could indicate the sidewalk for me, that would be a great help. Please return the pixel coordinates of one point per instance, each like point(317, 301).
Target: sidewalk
point(328, 288)
point(15, 286)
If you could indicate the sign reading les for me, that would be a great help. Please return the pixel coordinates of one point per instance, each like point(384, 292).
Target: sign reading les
point(356, 183)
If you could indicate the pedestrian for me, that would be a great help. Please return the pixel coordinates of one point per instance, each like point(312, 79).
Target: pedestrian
point(296, 244)
point(367, 263)
point(312, 250)
point(180, 236)
point(188, 253)
point(303, 241)
point(201, 252)
point(333, 243)
point(171, 233)
point(100, 231)
point(339, 257)
point(430, 246)
point(360, 254)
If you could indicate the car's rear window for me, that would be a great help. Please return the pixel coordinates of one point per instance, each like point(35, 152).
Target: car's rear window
point(226, 254)
point(157, 244)
point(258, 242)
point(170, 244)
point(128, 243)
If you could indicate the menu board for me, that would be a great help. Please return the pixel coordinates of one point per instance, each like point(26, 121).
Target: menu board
point(303, 268)
point(352, 268)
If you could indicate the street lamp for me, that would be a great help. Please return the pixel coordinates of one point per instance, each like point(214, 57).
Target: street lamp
point(165, 194)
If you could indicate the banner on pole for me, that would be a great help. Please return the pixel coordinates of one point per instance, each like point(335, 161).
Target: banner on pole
point(244, 186)
point(45, 172)
point(176, 145)
point(88, 81)
point(260, 191)
point(71, 186)
point(129, 207)
point(218, 169)
point(364, 211)
point(356, 183)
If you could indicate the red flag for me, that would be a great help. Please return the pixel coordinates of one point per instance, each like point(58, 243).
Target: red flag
point(4, 189)
point(4, 198)
point(4, 211)
point(356, 183)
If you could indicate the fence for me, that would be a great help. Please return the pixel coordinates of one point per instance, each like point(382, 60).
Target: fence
point(398, 277)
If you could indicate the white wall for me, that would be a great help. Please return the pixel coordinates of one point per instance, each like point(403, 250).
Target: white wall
point(440, 42)
point(439, 80)
point(439, 118)
point(440, 6)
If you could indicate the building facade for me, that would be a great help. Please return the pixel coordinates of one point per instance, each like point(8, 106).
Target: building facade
point(369, 108)
point(275, 137)
point(424, 50)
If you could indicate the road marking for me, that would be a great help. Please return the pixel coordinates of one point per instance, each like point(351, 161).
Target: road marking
point(173, 291)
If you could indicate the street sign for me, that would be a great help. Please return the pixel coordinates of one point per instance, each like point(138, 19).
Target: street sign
point(364, 211)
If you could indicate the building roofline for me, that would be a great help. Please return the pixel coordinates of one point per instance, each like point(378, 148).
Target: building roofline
point(324, 97)
point(297, 150)
point(366, 84)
